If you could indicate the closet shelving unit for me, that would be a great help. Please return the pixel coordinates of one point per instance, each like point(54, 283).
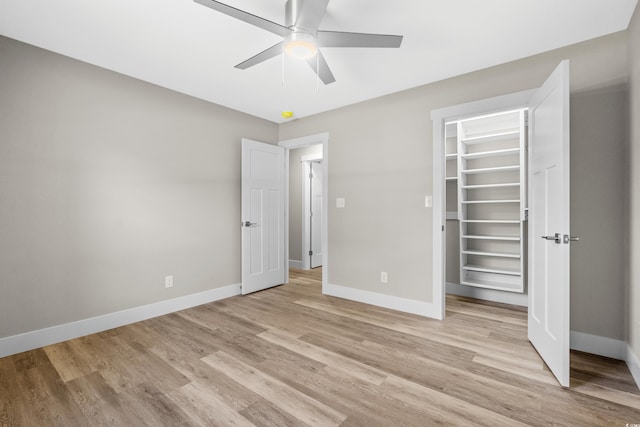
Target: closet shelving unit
point(491, 199)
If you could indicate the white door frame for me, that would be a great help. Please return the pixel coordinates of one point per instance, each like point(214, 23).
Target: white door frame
point(305, 141)
point(306, 209)
point(439, 118)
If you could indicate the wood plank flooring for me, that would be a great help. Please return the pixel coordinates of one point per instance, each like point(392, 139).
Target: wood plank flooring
point(289, 356)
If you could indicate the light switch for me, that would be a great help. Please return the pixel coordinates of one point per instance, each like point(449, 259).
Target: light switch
point(340, 202)
point(428, 201)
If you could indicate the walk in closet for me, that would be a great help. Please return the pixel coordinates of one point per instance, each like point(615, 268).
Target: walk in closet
point(486, 159)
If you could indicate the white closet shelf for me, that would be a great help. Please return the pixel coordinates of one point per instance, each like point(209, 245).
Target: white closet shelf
point(492, 221)
point(491, 137)
point(491, 229)
point(492, 285)
point(500, 185)
point(480, 202)
point(451, 178)
point(492, 254)
point(507, 271)
point(495, 153)
point(483, 237)
point(451, 156)
point(489, 170)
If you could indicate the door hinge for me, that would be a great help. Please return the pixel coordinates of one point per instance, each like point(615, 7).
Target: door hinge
point(310, 253)
point(310, 176)
point(443, 228)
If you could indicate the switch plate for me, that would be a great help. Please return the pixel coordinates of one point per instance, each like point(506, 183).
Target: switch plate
point(384, 277)
point(428, 201)
point(340, 202)
point(168, 282)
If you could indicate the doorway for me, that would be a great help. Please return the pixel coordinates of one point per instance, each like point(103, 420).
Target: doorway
point(305, 207)
point(548, 186)
point(314, 150)
point(312, 210)
point(442, 228)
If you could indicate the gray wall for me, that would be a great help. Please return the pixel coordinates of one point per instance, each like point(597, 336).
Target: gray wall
point(633, 334)
point(145, 183)
point(380, 161)
point(452, 246)
point(107, 184)
point(599, 210)
point(296, 190)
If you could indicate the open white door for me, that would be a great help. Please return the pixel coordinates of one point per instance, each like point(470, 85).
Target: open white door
point(316, 214)
point(549, 226)
point(263, 204)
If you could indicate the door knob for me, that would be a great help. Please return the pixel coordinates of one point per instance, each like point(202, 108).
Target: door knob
point(555, 238)
point(249, 223)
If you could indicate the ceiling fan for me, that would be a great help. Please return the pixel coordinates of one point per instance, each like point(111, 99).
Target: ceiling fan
point(301, 37)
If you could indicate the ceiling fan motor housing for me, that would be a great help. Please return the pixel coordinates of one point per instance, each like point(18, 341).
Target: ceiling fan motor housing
point(292, 10)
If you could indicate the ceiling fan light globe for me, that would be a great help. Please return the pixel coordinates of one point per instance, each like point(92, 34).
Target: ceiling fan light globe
point(301, 46)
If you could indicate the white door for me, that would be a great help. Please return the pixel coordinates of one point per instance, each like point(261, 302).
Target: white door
point(263, 192)
point(548, 218)
point(316, 214)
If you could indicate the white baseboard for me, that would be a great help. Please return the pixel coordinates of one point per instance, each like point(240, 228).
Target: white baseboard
point(59, 333)
point(488, 294)
point(294, 263)
point(420, 308)
point(595, 344)
point(633, 362)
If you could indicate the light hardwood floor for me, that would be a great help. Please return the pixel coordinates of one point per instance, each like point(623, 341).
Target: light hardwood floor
point(291, 356)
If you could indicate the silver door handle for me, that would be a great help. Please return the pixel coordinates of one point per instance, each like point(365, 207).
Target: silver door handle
point(555, 238)
point(249, 224)
point(566, 239)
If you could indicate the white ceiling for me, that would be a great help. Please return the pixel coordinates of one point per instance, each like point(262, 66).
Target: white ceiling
point(184, 46)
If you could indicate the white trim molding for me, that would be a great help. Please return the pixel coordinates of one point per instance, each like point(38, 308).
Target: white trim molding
point(305, 141)
point(595, 344)
point(633, 362)
point(420, 308)
point(59, 333)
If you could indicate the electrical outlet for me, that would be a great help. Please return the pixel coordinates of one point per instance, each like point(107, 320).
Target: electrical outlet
point(168, 282)
point(384, 278)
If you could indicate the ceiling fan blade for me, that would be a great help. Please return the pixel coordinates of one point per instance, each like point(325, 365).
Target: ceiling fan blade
point(342, 39)
point(274, 50)
point(247, 17)
point(306, 14)
point(321, 68)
